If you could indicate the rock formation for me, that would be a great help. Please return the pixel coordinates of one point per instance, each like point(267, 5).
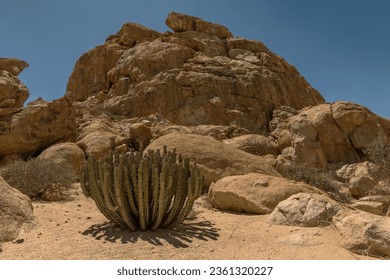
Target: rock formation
point(27, 130)
point(239, 111)
point(254, 193)
point(13, 93)
point(16, 212)
point(36, 127)
point(236, 109)
point(364, 233)
point(306, 210)
point(66, 154)
point(199, 74)
point(338, 132)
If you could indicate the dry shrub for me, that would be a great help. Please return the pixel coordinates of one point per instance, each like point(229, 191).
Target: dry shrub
point(378, 152)
point(323, 179)
point(32, 177)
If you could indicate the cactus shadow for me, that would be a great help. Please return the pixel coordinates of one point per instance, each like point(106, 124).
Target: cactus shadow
point(180, 236)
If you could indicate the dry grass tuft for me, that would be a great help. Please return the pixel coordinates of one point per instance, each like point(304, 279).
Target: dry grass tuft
point(323, 179)
point(34, 176)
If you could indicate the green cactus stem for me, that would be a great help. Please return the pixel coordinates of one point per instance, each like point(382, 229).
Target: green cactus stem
point(142, 191)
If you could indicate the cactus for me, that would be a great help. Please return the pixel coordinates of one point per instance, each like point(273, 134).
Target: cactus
point(142, 191)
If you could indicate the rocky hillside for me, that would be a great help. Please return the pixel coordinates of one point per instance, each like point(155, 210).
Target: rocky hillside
point(199, 74)
point(264, 139)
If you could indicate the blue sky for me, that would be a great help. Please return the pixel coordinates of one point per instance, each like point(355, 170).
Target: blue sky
point(342, 47)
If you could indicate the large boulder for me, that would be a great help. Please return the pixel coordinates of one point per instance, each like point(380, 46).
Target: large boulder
point(254, 193)
point(214, 159)
point(37, 126)
point(306, 210)
point(16, 212)
point(364, 233)
point(97, 138)
point(69, 155)
point(180, 22)
point(197, 75)
point(140, 135)
point(366, 168)
point(360, 124)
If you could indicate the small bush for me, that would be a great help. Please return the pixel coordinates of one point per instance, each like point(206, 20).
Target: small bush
point(378, 152)
point(32, 177)
point(323, 179)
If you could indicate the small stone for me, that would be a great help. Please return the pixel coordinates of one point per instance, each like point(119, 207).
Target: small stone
point(370, 206)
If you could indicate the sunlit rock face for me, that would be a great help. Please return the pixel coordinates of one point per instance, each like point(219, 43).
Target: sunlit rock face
point(198, 74)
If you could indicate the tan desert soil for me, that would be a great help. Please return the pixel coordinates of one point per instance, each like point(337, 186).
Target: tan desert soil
point(76, 230)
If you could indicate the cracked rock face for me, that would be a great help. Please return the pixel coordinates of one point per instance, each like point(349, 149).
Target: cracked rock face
point(304, 209)
point(36, 127)
point(364, 233)
point(13, 93)
point(338, 132)
point(199, 74)
point(26, 130)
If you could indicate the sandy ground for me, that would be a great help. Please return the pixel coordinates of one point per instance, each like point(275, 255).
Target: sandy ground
point(76, 230)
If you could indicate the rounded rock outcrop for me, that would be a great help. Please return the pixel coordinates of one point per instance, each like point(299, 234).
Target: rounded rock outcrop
point(198, 75)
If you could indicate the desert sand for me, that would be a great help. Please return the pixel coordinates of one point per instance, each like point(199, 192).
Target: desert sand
point(76, 230)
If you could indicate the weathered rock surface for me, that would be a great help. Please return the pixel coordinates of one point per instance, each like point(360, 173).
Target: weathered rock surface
point(255, 144)
point(364, 233)
point(37, 126)
point(279, 125)
point(180, 22)
point(98, 138)
point(366, 168)
point(338, 132)
point(219, 132)
point(26, 130)
point(365, 179)
point(198, 75)
point(70, 155)
point(373, 207)
point(214, 159)
point(140, 135)
point(306, 210)
point(89, 76)
point(13, 93)
point(12, 65)
point(16, 212)
point(254, 193)
point(368, 203)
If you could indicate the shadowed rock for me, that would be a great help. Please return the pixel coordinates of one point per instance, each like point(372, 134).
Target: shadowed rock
point(16, 212)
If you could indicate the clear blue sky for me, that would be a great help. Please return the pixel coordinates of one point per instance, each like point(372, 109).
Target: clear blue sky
point(342, 47)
